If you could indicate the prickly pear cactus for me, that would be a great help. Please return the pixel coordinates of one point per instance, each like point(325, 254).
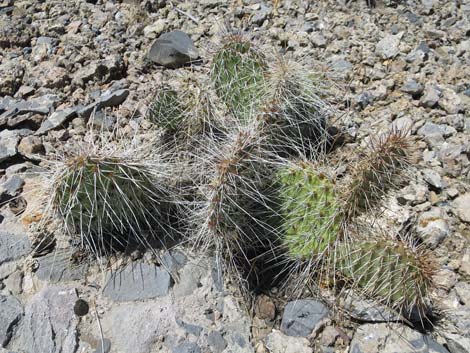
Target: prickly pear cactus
point(237, 74)
point(166, 111)
point(380, 170)
point(389, 271)
point(99, 197)
point(310, 211)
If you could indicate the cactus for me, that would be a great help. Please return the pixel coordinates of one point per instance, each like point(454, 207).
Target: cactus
point(379, 171)
point(237, 74)
point(390, 271)
point(185, 114)
point(310, 210)
point(107, 194)
point(166, 112)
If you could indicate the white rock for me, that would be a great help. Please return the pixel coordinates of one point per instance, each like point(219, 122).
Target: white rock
point(277, 342)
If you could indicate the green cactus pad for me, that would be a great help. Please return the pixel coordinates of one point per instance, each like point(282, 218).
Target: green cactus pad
point(310, 211)
point(237, 74)
point(166, 111)
point(388, 271)
point(103, 196)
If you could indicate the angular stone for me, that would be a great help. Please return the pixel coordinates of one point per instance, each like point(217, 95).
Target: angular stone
point(49, 324)
point(433, 227)
point(450, 101)
point(277, 342)
point(392, 338)
point(112, 99)
point(10, 188)
point(173, 49)
point(302, 316)
point(57, 267)
point(11, 311)
point(150, 321)
point(430, 97)
point(412, 87)
point(216, 342)
point(433, 178)
point(366, 310)
point(461, 207)
point(137, 281)
point(388, 47)
point(13, 246)
point(9, 140)
point(57, 119)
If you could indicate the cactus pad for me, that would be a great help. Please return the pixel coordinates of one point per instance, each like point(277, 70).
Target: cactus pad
point(310, 211)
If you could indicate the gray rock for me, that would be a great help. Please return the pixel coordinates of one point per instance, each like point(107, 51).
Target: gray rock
point(388, 47)
point(461, 207)
point(366, 310)
point(392, 338)
point(302, 316)
point(173, 261)
point(57, 267)
point(13, 246)
point(190, 278)
point(187, 347)
point(11, 311)
point(216, 342)
point(11, 188)
point(57, 119)
point(277, 342)
point(112, 99)
point(430, 96)
point(412, 87)
point(433, 227)
point(49, 324)
point(173, 49)
point(11, 72)
point(364, 99)
point(457, 343)
point(432, 129)
point(103, 71)
point(261, 15)
point(190, 328)
point(9, 140)
point(137, 281)
point(450, 101)
point(150, 320)
point(433, 178)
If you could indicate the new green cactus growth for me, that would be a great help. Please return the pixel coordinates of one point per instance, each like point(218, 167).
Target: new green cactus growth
point(237, 73)
point(167, 111)
point(310, 209)
point(390, 271)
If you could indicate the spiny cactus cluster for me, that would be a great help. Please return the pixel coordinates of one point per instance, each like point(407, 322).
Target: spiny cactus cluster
point(250, 138)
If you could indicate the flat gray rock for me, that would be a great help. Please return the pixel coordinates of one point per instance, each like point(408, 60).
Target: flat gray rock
point(13, 246)
point(365, 310)
point(10, 313)
point(302, 316)
point(49, 324)
point(56, 267)
point(137, 281)
point(112, 99)
point(392, 338)
point(9, 140)
point(56, 119)
point(173, 49)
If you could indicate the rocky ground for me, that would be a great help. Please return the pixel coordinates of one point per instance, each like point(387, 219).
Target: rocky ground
point(403, 63)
